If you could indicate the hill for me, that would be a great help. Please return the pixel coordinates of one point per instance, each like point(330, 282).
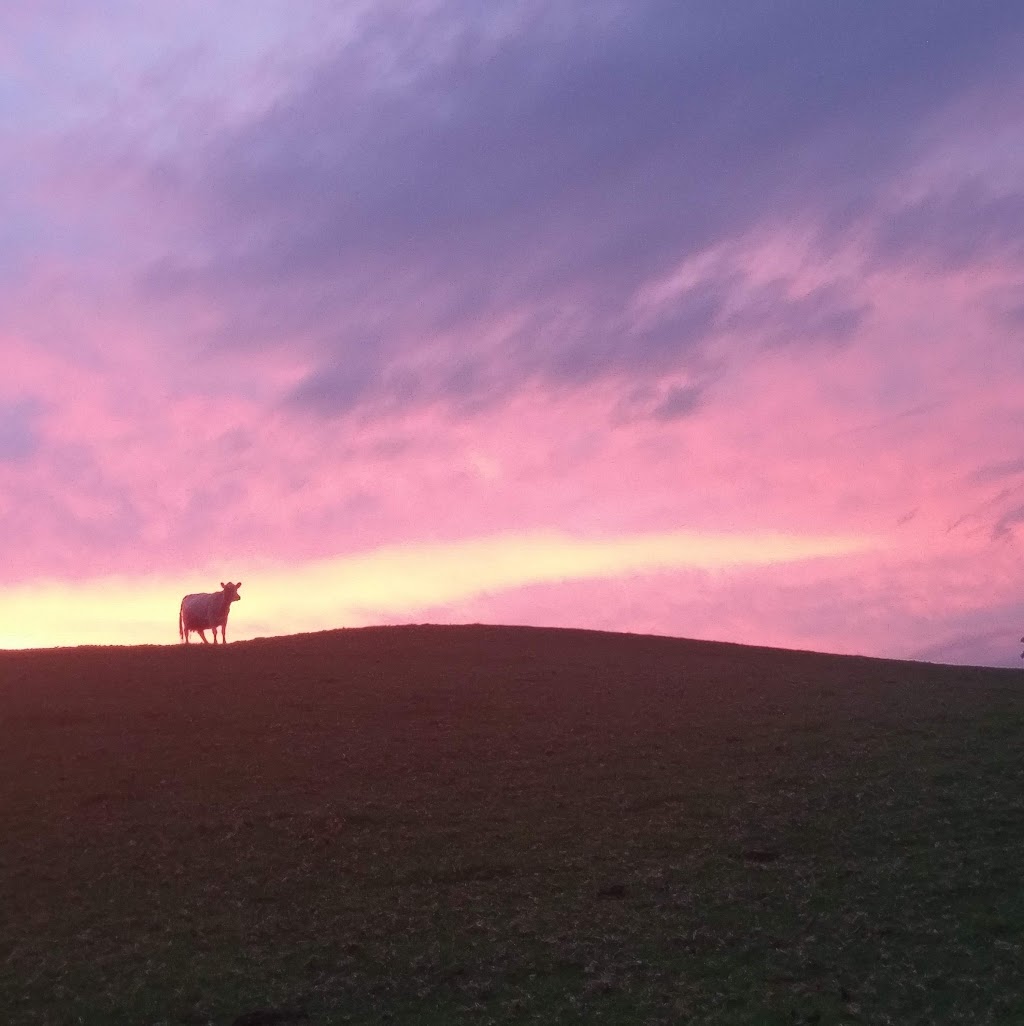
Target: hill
point(489, 824)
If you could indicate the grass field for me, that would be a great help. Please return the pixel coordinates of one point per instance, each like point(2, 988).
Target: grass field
point(501, 825)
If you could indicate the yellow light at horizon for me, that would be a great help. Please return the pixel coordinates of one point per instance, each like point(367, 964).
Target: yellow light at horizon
point(385, 583)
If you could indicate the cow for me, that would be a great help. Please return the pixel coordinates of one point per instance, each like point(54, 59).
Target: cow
point(198, 612)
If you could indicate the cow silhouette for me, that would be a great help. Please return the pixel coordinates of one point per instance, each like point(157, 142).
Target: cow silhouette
point(203, 611)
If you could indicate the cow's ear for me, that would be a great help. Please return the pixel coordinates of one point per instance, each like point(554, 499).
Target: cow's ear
point(223, 585)
point(238, 585)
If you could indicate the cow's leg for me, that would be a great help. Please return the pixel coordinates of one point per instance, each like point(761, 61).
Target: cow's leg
point(224, 633)
point(202, 634)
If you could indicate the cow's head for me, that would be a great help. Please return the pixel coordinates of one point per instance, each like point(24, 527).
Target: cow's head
point(231, 591)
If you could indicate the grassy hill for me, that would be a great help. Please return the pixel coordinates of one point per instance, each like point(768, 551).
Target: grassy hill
point(504, 825)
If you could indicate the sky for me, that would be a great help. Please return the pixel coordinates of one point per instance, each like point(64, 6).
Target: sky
point(686, 317)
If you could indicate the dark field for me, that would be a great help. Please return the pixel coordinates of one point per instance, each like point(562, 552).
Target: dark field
point(502, 825)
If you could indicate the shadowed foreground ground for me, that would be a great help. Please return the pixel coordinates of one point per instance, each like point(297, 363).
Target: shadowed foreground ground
point(483, 824)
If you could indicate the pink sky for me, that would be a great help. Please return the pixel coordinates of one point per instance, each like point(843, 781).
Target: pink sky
point(697, 319)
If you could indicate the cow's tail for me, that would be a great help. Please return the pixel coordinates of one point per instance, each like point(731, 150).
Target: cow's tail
point(181, 620)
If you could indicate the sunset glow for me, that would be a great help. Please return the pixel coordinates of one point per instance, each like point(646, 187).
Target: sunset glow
point(384, 584)
point(678, 318)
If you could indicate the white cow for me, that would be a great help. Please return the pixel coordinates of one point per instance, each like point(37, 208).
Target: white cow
point(198, 612)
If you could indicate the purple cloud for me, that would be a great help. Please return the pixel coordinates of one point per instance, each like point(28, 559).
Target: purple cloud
point(951, 230)
point(19, 429)
point(434, 174)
